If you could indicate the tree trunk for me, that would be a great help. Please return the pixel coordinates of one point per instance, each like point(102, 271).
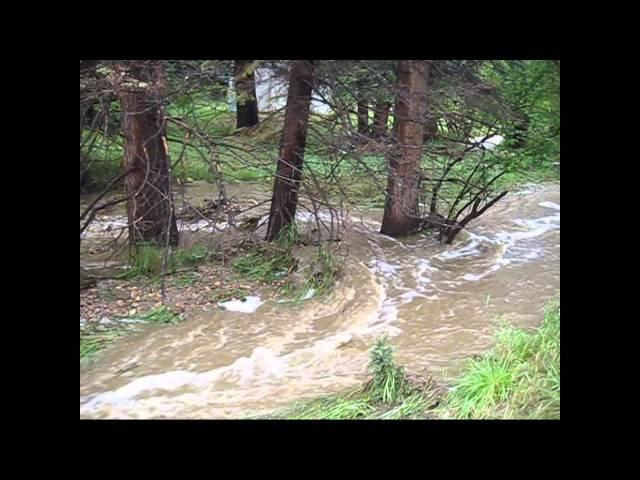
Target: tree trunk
point(380, 119)
point(432, 117)
point(150, 205)
point(363, 118)
point(401, 205)
point(247, 103)
point(289, 171)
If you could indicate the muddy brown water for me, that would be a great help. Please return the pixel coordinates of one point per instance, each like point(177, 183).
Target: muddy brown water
point(437, 303)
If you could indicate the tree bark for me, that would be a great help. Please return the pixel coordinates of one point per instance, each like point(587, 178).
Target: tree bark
point(150, 205)
point(380, 119)
point(247, 103)
point(363, 118)
point(289, 171)
point(432, 117)
point(401, 205)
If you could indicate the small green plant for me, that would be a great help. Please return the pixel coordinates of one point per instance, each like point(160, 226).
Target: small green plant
point(388, 381)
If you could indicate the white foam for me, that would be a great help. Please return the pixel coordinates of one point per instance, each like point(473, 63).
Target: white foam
point(469, 250)
point(249, 305)
point(552, 205)
point(386, 268)
point(163, 381)
point(262, 362)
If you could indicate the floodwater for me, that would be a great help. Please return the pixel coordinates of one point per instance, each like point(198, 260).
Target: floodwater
point(438, 304)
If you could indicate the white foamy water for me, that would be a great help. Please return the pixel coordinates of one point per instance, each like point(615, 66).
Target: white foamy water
point(262, 363)
point(552, 205)
point(249, 305)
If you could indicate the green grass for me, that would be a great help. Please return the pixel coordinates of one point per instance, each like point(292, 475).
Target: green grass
point(518, 378)
point(352, 406)
point(263, 265)
point(148, 258)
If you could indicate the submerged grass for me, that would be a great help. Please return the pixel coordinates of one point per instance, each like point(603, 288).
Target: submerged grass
point(94, 340)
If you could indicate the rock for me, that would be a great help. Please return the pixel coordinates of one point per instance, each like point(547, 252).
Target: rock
point(133, 311)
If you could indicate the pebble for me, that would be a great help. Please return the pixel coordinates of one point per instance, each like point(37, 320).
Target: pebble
point(133, 311)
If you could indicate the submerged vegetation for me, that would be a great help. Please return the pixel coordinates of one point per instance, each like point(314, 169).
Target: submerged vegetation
point(95, 338)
